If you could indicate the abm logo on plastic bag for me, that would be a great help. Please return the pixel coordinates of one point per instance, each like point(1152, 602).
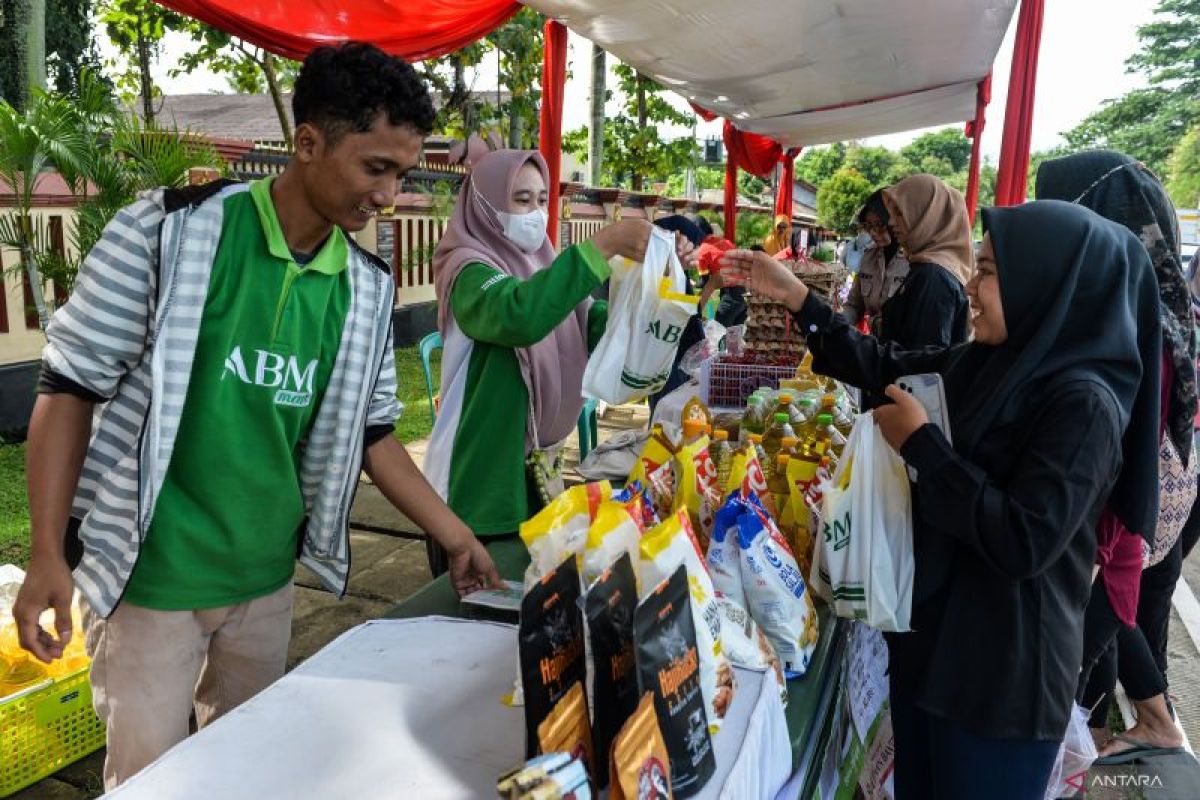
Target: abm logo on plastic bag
point(838, 532)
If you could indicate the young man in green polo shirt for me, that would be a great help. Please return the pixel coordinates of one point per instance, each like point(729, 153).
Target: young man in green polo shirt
point(237, 345)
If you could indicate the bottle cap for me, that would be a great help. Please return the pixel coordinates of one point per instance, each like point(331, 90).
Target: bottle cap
point(786, 397)
point(825, 419)
point(790, 441)
point(721, 435)
point(756, 438)
point(693, 429)
point(781, 417)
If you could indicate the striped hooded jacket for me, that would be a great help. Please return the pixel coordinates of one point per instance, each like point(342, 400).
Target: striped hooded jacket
point(126, 340)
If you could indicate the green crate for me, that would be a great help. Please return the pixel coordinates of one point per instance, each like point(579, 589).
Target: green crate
point(44, 730)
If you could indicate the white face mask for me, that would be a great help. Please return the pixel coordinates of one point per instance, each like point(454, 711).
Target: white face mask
point(526, 231)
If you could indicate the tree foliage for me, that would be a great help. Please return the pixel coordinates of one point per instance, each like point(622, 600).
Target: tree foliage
point(136, 28)
point(818, 164)
point(1184, 184)
point(635, 153)
point(840, 198)
point(103, 154)
point(1147, 123)
point(247, 69)
point(514, 51)
point(520, 48)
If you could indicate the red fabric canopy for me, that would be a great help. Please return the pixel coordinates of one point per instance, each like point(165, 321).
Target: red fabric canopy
point(756, 154)
point(1018, 113)
point(983, 96)
point(412, 30)
point(554, 80)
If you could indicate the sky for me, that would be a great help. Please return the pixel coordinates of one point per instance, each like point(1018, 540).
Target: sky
point(1082, 63)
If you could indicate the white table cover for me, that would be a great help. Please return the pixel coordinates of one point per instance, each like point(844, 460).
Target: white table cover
point(408, 709)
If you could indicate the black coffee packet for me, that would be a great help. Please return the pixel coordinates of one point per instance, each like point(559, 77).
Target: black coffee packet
point(550, 642)
point(668, 664)
point(609, 608)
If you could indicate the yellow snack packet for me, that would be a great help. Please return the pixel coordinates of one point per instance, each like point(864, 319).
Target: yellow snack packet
point(657, 451)
point(696, 488)
point(562, 527)
point(746, 476)
point(613, 532)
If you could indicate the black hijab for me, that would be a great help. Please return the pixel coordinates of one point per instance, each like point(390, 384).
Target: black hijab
point(1081, 304)
point(678, 223)
point(1122, 189)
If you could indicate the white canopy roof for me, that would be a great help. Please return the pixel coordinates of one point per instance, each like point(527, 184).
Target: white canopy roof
point(805, 71)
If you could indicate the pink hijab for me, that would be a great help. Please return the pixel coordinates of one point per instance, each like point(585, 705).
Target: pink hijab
point(553, 367)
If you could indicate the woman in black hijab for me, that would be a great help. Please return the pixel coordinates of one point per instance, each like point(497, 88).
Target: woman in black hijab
point(1053, 409)
point(1125, 191)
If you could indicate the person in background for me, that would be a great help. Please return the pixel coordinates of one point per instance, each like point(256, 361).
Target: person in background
point(929, 220)
point(1053, 417)
point(856, 250)
point(1131, 607)
point(883, 269)
point(194, 448)
point(780, 236)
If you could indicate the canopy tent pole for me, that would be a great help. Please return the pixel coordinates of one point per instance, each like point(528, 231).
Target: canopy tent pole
point(554, 79)
point(731, 179)
point(784, 194)
point(1018, 113)
point(983, 96)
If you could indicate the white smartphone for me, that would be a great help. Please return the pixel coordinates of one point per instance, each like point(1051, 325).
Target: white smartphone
point(931, 394)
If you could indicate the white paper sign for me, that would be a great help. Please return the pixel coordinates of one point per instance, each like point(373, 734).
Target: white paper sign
point(866, 677)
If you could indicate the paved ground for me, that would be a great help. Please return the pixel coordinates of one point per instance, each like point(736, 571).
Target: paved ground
point(389, 564)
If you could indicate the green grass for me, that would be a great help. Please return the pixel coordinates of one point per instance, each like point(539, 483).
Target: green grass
point(14, 508)
point(416, 422)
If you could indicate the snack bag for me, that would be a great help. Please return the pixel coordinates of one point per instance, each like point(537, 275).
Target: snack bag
point(658, 450)
point(696, 411)
point(696, 488)
point(663, 550)
point(747, 645)
point(550, 645)
point(746, 476)
point(669, 665)
point(778, 597)
point(613, 533)
point(561, 528)
point(567, 729)
point(636, 498)
point(609, 609)
point(724, 557)
point(662, 490)
point(640, 764)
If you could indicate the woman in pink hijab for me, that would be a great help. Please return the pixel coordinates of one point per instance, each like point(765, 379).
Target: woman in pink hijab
point(517, 325)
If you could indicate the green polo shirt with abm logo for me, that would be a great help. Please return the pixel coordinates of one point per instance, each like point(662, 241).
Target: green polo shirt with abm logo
point(227, 522)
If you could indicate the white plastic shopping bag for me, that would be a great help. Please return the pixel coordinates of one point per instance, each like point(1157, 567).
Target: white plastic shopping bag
point(647, 313)
point(863, 564)
point(1075, 757)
